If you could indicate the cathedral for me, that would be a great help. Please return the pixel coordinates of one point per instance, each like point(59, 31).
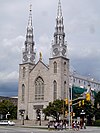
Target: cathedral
point(39, 83)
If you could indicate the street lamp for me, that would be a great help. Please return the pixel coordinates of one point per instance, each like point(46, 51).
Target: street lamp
point(7, 115)
point(22, 112)
point(38, 111)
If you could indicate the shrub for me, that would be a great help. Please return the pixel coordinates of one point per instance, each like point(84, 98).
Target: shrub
point(97, 123)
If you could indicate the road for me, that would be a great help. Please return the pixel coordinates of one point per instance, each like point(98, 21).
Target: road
point(8, 129)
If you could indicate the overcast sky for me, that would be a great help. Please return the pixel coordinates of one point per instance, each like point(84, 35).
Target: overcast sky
point(82, 28)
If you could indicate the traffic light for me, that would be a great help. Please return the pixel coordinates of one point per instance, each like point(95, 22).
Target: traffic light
point(82, 102)
point(66, 113)
point(38, 114)
point(70, 103)
point(79, 103)
point(73, 114)
point(66, 101)
point(88, 97)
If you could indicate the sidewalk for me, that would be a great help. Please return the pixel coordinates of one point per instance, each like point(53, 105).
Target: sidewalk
point(32, 124)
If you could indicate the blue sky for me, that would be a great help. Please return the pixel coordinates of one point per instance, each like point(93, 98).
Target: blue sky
point(82, 28)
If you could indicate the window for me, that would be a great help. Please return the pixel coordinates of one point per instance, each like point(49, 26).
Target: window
point(64, 66)
point(39, 89)
point(23, 92)
point(55, 90)
point(55, 67)
point(74, 80)
point(84, 83)
point(24, 69)
point(64, 89)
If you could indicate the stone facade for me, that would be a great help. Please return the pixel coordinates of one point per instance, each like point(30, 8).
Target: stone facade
point(40, 84)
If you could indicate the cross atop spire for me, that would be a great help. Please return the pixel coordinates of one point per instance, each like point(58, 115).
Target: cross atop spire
point(59, 13)
point(30, 17)
point(30, 7)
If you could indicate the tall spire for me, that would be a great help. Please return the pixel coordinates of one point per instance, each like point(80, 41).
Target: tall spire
point(59, 19)
point(59, 46)
point(30, 17)
point(28, 53)
point(59, 14)
point(29, 35)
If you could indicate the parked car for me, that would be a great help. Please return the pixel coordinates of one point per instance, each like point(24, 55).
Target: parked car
point(7, 123)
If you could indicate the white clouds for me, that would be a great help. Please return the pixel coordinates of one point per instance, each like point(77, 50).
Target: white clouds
point(5, 77)
point(11, 47)
point(82, 28)
point(44, 47)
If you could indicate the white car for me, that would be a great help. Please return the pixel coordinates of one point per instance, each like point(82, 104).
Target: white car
point(7, 122)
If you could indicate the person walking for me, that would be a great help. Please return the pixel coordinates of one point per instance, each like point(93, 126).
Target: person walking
point(48, 125)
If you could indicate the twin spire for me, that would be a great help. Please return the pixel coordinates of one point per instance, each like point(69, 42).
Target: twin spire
point(28, 53)
point(59, 13)
point(30, 17)
point(58, 46)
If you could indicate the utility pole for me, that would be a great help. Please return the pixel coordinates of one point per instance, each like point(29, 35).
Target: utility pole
point(63, 110)
point(69, 106)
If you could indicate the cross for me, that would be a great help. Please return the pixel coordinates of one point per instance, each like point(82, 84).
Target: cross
point(30, 7)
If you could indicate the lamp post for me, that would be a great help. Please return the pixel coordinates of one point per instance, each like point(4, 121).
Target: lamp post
point(71, 96)
point(7, 115)
point(40, 118)
point(71, 106)
point(38, 111)
point(63, 110)
point(22, 112)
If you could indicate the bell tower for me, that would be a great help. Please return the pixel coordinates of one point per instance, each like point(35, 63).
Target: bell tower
point(28, 52)
point(59, 63)
point(28, 61)
point(59, 46)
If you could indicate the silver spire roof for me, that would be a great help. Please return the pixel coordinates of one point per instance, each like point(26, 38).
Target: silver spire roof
point(59, 13)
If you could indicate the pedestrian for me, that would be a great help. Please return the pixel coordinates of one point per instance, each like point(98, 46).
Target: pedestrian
point(84, 124)
point(78, 125)
point(48, 125)
point(55, 125)
point(74, 125)
point(61, 125)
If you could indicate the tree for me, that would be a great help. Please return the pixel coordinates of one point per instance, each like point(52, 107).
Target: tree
point(97, 106)
point(88, 109)
point(7, 106)
point(55, 109)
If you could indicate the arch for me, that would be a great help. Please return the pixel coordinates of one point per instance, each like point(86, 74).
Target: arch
point(39, 89)
point(55, 67)
point(55, 90)
point(24, 71)
point(64, 66)
point(23, 92)
point(64, 89)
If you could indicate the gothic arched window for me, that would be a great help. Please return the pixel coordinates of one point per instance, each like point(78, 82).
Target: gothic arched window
point(64, 66)
point(39, 89)
point(64, 89)
point(23, 92)
point(24, 70)
point(55, 67)
point(55, 90)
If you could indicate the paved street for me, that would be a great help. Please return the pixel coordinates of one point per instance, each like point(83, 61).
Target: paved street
point(15, 129)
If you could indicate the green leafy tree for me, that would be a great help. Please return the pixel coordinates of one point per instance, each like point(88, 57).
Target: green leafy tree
point(55, 109)
point(97, 106)
point(7, 106)
point(88, 109)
